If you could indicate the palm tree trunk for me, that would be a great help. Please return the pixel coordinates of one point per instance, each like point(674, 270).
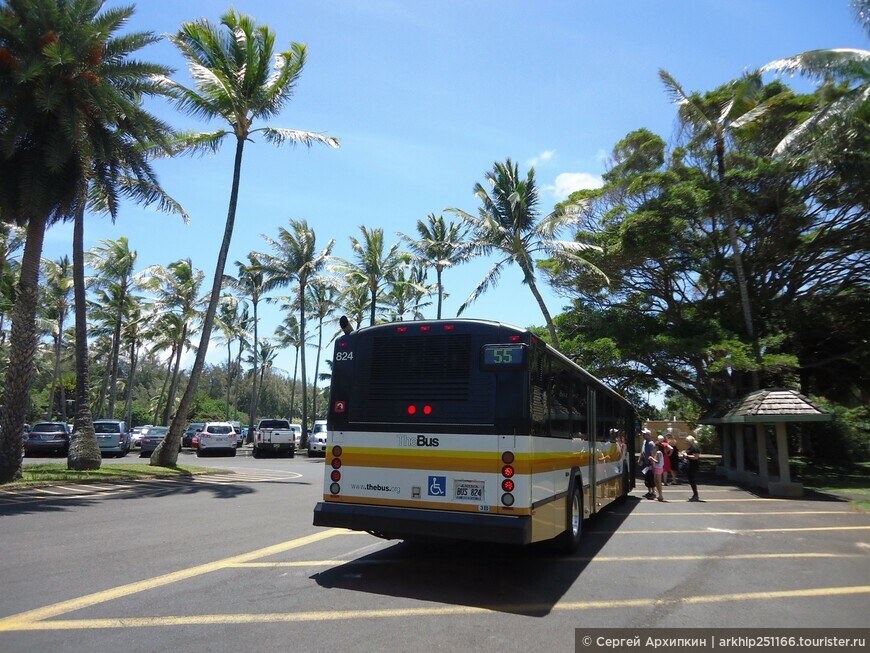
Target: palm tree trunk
point(440, 288)
point(317, 369)
point(547, 318)
point(302, 360)
point(166, 453)
point(128, 401)
point(165, 383)
point(54, 373)
point(252, 416)
point(22, 352)
point(116, 351)
point(84, 450)
point(229, 376)
point(238, 378)
point(293, 387)
point(104, 387)
point(176, 372)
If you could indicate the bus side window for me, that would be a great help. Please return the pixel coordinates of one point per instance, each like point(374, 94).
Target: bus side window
point(579, 416)
point(560, 403)
point(538, 391)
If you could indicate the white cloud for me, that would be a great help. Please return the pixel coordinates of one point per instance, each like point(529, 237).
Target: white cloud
point(568, 182)
point(543, 156)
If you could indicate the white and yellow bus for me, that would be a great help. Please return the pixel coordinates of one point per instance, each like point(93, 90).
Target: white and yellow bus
point(469, 430)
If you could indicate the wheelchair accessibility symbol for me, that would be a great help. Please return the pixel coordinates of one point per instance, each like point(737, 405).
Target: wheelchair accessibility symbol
point(437, 486)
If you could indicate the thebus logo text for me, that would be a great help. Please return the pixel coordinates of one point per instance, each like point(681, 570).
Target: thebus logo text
point(419, 441)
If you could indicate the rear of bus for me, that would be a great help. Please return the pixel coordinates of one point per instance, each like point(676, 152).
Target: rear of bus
point(424, 423)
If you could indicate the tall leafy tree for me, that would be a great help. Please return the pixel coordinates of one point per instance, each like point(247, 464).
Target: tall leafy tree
point(509, 222)
point(238, 81)
point(742, 106)
point(287, 335)
point(71, 118)
point(296, 261)
point(439, 245)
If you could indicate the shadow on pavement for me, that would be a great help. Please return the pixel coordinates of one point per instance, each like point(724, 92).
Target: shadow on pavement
point(518, 580)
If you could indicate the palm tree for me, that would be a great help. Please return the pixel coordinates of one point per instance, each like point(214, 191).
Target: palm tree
point(322, 300)
point(830, 66)
point(234, 81)
point(508, 222)
point(250, 284)
point(296, 260)
point(287, 335)
point(743, 106)
point(228, 322)
point(58, 291)
point(177, 289)
point(439, 245)
point(71, 117)
point(113, 262)
point(373, 267)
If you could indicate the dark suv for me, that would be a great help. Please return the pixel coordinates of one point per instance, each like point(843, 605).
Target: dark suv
point(47, 437)
point(192, 429)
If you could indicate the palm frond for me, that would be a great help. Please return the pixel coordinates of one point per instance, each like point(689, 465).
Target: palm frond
point(279, 136)
point(488, 280)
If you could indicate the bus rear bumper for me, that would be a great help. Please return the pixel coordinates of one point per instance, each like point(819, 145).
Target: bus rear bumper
point(413, 523)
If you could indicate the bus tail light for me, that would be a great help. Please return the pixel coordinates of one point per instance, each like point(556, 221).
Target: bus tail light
point(508, 484)
point(335, 475)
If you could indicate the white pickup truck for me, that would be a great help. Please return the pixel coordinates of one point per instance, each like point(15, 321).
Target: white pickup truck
point(274, 436)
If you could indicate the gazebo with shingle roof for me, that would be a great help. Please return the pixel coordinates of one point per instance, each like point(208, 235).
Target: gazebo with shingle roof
point(763, 408)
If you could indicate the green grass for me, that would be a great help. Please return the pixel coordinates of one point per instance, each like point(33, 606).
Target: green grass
point(58, 473)
point(850, 480)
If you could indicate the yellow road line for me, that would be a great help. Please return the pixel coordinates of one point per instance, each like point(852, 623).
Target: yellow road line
point(598, 559)
point(449, 610)
point(765, 513)
point(707, 531)
point(14, 622)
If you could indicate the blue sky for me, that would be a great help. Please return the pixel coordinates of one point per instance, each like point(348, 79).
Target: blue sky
point(426, 96)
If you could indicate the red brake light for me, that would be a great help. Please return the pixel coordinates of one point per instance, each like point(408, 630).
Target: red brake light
point(427, 410)
point(507, 471)
point(507, 485)
point(449, 327)
point(412, 409)
point(401, 329)
point(425, 328)
point(336, 463)
point(514, 338)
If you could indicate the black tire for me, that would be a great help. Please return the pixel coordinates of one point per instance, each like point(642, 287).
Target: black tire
point(256, 452)
point(233, 454)
point(570, 539)
point(291, 453)
point(199, 454)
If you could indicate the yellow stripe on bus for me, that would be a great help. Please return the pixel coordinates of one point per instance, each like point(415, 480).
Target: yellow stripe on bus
point(461, 461)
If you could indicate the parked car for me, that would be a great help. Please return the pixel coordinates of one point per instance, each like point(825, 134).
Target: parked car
point(217, 436)
point(274, 436)
point(317, 439)
point(112, 436)
point(240, 437)
point(297, 435)
point(194, 441)
point(47, 437)
point(151, 438)
point(136, 434)
point(189, 432)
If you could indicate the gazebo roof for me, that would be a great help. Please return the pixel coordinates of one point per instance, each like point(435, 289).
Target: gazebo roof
point(769, 407)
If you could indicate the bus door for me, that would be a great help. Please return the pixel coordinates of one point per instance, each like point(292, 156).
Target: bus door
point(592, 498)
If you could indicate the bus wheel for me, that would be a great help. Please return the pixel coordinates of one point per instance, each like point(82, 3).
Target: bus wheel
point(574, 518)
